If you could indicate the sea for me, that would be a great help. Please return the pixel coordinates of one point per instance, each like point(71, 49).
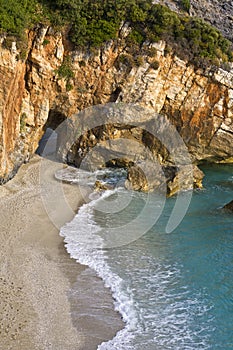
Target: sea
point(173, 289)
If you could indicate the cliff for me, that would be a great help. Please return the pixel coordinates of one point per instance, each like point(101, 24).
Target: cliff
point(41, 92)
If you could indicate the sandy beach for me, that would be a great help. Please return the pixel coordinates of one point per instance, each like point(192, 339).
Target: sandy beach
point(37, 275)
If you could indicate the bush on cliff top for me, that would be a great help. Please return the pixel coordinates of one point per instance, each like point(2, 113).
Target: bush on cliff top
point(16, 16)
point(91, 23)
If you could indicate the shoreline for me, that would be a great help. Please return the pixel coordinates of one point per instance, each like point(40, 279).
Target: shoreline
point(38, 276)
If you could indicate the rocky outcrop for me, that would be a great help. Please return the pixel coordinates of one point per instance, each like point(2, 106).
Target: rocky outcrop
point(35, 96)
point(167, 178)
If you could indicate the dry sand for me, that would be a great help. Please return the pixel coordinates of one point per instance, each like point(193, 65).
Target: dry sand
point(37, 274)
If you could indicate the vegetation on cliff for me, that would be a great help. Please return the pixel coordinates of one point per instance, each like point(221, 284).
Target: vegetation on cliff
point(16, 16)
point(91, 23)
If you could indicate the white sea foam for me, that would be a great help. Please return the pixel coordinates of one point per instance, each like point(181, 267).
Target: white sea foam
point(167, 327)
point(83, 177)
point(84, 244)
point(162, 291)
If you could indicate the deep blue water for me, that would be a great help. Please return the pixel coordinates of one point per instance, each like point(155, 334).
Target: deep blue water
point(174, 290)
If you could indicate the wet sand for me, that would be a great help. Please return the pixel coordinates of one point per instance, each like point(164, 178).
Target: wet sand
point(43, 293)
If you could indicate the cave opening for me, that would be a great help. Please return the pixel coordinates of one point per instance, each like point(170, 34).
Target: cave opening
point(48, 143)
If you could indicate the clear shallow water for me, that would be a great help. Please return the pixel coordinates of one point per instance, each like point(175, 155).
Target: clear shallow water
point(174, 290)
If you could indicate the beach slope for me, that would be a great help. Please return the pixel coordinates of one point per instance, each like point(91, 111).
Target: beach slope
point(36, 272)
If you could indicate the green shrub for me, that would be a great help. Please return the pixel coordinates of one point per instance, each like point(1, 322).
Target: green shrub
point(155, 65)
point(69, 86)
point(65, 70)
point(127, 60)
point(82, 63)
point(22, 46)
point(167, 50)
point(151, 52)
point(185, 5)
point(90, 24)
point(139, 61)
point(15, 16)
point(135, 37)
point(45, 42)
point(23, 118)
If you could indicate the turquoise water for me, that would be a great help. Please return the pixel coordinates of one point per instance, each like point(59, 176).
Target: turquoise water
point(174, 290)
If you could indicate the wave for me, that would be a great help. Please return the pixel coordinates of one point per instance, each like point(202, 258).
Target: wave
point(168, 326)
point(84, 244)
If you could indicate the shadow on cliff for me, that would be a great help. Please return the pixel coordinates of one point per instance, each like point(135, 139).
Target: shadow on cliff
point(48, 143)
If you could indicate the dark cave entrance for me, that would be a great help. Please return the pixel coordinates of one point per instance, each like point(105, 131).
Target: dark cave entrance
point(48, 144)
point(114, 96)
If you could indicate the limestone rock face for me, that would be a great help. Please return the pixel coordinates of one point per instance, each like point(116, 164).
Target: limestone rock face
point(33, 97)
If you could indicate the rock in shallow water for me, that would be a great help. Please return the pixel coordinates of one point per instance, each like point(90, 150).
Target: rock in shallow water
point(229, 206)
point(144, 178)
point(100, 186)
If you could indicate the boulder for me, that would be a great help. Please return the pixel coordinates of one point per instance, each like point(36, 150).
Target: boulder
point(185, 178)
point(99, 186)
point(144, 178)
point(229, 206)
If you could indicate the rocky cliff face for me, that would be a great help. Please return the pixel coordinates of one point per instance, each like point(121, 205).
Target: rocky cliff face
point(34, 96)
